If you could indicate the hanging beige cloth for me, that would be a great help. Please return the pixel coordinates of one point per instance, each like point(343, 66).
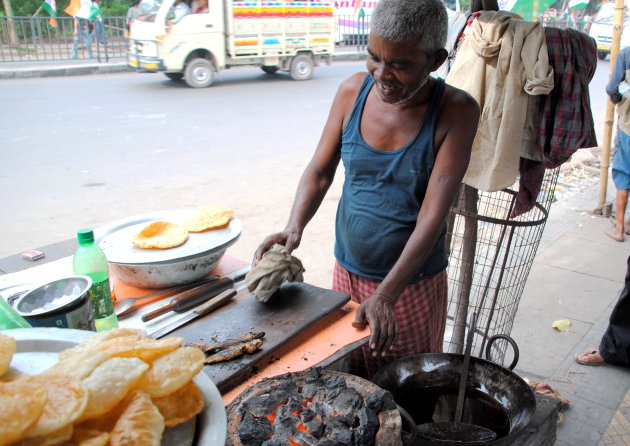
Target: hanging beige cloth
point(501, 63)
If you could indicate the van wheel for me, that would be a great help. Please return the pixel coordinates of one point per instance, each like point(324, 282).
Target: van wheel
point(199, 73)
point(601, 55)
point(301, 68)
point(269, 69)
point(175, 76)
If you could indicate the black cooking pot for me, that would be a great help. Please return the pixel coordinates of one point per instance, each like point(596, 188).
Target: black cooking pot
point(425, 387)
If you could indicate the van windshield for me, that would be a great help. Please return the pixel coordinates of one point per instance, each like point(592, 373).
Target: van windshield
point(147, 10)
point(605, 16)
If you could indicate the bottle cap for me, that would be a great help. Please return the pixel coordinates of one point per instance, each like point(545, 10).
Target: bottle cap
point(85, 236)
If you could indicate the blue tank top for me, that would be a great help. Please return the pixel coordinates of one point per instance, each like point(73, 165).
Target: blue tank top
point(382, 194)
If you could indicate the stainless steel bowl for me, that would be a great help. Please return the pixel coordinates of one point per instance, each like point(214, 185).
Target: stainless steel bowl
point(160, 268)
point(171, 273)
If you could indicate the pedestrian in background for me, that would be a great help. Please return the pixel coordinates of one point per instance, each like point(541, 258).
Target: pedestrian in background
point(81, 33)
point(614, 347)
point(132, 14)
point(96, 17)
point(617, 85)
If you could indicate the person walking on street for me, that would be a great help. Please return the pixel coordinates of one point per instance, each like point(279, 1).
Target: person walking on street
point(132, 14)
point(96, 17)
point(614, 347)
point(621, 155)
point(81, 33)
point(404, 138)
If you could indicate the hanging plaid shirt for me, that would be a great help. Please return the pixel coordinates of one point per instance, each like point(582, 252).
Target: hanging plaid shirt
point(566, 120)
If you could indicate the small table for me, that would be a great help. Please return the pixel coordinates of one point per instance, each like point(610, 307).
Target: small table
point(320, 344)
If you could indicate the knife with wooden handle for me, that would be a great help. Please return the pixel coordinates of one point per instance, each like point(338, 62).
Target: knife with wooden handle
point(201, 310)
point(198, 295)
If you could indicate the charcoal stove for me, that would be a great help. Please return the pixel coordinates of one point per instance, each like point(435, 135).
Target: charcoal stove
point(305, 408)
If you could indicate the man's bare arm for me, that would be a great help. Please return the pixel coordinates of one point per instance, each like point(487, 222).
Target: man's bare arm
point(320, 171)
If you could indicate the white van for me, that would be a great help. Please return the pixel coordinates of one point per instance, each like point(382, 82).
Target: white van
point(602, 30)
point(286, 35)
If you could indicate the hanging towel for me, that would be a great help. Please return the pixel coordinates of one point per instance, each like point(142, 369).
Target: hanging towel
point(502, 61)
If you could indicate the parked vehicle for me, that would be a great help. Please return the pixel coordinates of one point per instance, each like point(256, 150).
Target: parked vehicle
point(602, 30)
point(286, 35)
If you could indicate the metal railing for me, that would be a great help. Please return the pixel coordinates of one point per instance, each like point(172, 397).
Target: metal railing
point(352, 31)
point(33, 38)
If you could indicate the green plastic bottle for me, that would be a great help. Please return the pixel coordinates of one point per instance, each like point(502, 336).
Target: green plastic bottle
point(90, 260)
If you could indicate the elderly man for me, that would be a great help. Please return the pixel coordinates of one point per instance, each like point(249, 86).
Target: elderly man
point(404, 138)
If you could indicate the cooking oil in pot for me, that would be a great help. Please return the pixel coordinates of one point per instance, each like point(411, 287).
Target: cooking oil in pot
point(437, 405)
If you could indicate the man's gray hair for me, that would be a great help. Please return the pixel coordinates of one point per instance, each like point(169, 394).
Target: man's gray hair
point(398, 20)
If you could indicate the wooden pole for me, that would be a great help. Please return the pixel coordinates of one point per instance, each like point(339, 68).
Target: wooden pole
point(610, 107)
point(12, 33)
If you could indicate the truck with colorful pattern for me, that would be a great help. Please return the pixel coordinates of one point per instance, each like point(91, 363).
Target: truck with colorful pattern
point(278, 35)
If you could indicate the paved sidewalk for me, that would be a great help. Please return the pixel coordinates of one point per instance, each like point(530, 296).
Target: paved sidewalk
point(577, 275)
point(77, 67)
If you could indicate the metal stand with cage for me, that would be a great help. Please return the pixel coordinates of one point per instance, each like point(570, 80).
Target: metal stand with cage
point(489, 262)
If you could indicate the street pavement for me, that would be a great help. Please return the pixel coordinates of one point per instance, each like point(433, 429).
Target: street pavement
point(577, 275)
point(76, 67)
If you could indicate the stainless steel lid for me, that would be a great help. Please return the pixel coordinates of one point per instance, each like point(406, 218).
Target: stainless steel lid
point(54, 297)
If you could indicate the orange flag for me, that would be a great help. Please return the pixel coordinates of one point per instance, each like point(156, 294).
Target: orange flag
point(73, 8)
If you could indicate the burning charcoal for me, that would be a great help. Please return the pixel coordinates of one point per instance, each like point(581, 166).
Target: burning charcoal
point(315, 427)
point(314, 373)
point(349, 401)
point(261, 405)
point(304, 438)
point(341, 436)
point(285, 391)
point(313, 387)
point(334, 386)
point(253, 431)
point(312, 422)
point(339, 428)
point(368, 425)
point(326, 442)
point(286, 425)
point(367, 417)
point(380, 400)
point(294, 405)
point(277, 440)
point(307, 415)
point(323, 410)
point(341, 421)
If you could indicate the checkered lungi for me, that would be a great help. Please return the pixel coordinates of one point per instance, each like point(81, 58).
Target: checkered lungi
point(420, 313)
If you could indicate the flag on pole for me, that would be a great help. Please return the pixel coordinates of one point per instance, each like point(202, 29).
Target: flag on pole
point(578, 4)
point(50, 6)
point(73, 8)
point(79, 8)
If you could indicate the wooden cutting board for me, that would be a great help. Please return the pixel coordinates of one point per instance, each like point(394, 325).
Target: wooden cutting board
point(293, 308)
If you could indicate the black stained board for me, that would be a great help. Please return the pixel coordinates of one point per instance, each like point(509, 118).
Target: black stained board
point(293, 308)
